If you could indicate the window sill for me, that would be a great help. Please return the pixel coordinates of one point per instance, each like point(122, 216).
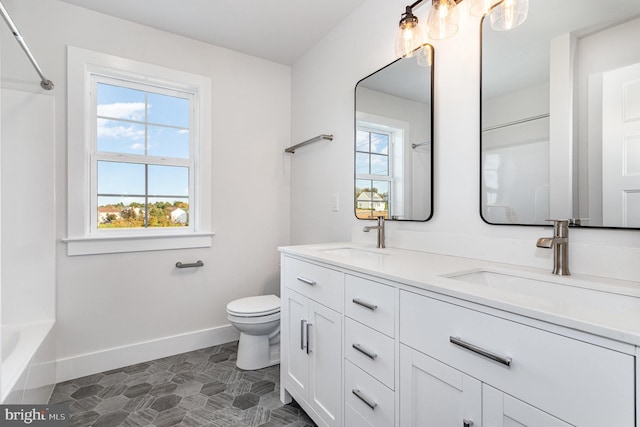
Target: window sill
point(120, 244)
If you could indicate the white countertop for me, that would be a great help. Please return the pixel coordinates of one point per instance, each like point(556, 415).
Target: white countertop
point(606, 307)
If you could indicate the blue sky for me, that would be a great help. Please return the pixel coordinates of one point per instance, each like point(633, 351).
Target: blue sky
point(137, 123)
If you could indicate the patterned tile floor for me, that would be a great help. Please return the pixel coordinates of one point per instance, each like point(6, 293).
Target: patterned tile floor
point(199, 388)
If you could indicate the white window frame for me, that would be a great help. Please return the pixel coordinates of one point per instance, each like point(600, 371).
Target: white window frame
point(83, 235)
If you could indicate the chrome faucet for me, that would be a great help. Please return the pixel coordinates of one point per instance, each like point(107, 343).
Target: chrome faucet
point(380, 228)
point(560, 244)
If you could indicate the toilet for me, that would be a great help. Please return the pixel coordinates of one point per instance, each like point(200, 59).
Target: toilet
point(258, 320)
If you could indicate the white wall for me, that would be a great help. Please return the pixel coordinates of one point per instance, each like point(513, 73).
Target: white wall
point(323, 82)
point(28, 216)
point(113, 309)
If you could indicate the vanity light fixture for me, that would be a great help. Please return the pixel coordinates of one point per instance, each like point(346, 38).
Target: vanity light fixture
point(509, 14)
point(409, 36)
point(444, 21)
point(481, 7)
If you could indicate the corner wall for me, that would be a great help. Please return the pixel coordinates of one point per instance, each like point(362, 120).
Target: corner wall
point(322, 102)
point(113, 310)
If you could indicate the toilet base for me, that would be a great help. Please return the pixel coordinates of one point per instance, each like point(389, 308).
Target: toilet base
point(256, 352)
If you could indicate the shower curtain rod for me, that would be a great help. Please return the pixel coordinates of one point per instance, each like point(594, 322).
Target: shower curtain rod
point(45, 83)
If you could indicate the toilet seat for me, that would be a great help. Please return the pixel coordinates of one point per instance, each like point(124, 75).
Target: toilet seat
point(258, 306)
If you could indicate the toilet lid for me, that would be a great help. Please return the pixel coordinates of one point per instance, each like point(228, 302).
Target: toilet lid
point(255, 306)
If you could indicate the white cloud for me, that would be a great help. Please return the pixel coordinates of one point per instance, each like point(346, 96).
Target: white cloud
point(106, 129)
point(122, 110)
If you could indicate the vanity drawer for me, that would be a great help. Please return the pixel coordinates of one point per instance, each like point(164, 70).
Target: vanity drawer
point(581, 383)
point(371, 303)
point(367, 397)
point(321, 284)
point(370, 350)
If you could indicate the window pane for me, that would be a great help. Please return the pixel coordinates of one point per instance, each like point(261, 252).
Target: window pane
point(381, 188)
point(362, 141)
point(168, 181)
point(379, 165)
point(381, 198)
point(362, 184)
point(168, 212)
point(362, 163)
point(116, 136)
point(120, 178)
point(168, 110)
point(168, 142)
point(120, 212)
point(120, 103)
point(379, 143)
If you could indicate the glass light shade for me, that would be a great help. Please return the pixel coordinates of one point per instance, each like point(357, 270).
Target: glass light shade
point(509, 14)
point(444, 19)
point(424, 56)
point(481, 7)
point(408, 38)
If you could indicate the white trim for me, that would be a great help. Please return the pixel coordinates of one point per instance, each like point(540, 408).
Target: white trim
point(119, 244)
point(80, 63)
point(118, 357)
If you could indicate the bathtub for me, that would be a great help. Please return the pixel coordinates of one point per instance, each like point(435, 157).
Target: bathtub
point(27, 371)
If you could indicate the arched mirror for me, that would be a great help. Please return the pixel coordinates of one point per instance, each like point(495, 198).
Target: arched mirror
point(393, 141)
point(561, 115)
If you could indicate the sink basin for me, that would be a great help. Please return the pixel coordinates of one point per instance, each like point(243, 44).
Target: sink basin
point(354, 252)
point(566, 294)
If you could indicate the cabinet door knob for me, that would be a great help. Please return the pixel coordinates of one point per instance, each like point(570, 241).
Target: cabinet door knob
point(467, 423)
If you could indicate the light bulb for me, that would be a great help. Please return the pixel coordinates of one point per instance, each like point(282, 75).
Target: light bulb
point(444, 19)
point(481, 7)
point(509, 14)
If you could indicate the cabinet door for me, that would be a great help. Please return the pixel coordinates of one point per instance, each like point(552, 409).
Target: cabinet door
point(295, 363)
point(325, 364)
point(502, 410)
point(433, 394)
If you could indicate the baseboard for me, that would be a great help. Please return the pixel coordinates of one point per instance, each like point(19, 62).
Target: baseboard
point(91, 363)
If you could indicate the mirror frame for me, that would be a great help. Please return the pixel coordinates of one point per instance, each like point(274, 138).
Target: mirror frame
point(431, 133)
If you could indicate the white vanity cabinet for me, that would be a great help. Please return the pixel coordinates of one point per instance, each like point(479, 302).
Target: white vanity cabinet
point(568, 380)
point(311, 331)
point(364, 347)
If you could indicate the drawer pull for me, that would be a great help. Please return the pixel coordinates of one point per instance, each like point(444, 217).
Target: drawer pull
point(357, 393)
point(305, 280)
point(364, 351)
point(370, 306)
point(302, 341)
point(467, 423)
point(308, 327)
point(482, 352)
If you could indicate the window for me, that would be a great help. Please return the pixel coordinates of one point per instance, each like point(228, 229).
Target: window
point(373, 172)
point(139, 156)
